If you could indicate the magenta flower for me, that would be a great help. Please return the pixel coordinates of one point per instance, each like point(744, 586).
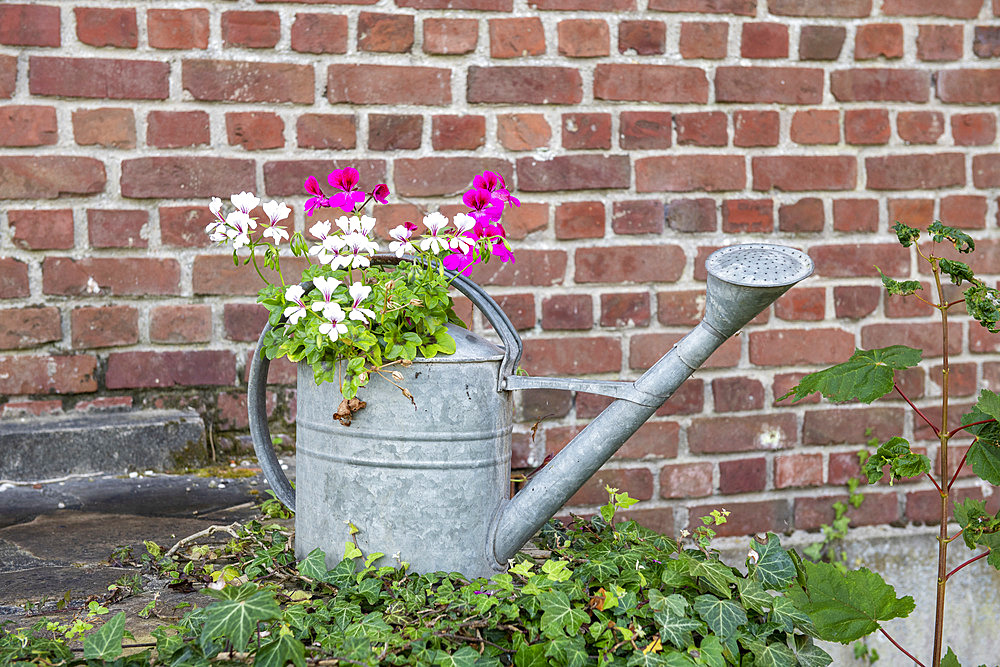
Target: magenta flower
point(381, 193)
point(494, 183)
point(317, 200)
point(484, 206)
point(346, 180)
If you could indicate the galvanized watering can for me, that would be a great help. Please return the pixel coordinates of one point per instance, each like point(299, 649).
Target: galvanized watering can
point(430, 485)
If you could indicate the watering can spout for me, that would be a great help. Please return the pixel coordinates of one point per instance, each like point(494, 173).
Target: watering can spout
point(743, 280)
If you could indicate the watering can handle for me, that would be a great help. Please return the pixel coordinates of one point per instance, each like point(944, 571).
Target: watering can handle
point(257, 383)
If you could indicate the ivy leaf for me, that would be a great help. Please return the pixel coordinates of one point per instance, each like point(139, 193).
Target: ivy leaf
point(463, 657)
point(867, 375)
point(237, 619)
point(559, 616)
point(569, 651)
point(651, 659)
point(284, 649)
point(809, 655)
point(677, 629)
point(897, 287)
point(774, 568)
point(907, 235)
point(711, 652)
point(672, 604)
point(958, 271)
point(846, 607)
point(983, 305)
point(774, 654)
point(717, 575)
point(941, 233)
point(902, 463)
point(788, 616)
point(753, 596)
point(313, 566)
point(722, 616)
point(106, 643)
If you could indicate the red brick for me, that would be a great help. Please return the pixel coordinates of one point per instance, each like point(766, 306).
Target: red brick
point(964, 211)
point(98, 26)
point(986, 171)
point(638, 482)
point(181, 324)
point(821, 8)
point(243, 321)
point(816, 126)
point(8, 75)
point(423, 177)
point(457, 132)
point(525, 219)
point(855, 215)
point(579, 220)
point(110, 128)
point(625, 310)
point(13, 278)
point(567, 312)
point(654, 439)
point(735, 394)
point(523, 131)
point(738, 7)
point(319, 33)
point(177, 28)
point(920, 127)
point(533, 267)
point(913, 212)
point(255, 130)
point(110, 276)
point(659, 519)
point(900, 306)
point(524, 85)
point(742, 476)
point(851, 425)
point(184, 226)
point(959, 9)
point(961, 379)
point(855, 301)
point(573, 172)
point(688, 399)
point(583, 38)
point(877, 509)
point(783, 383)
point(974, 129)
point(105, 404)
point(981, 340)
point(643, 38)
point(787, 347)
point(686, 480)
point(802, 304)
point(41, 374)
point(794, 470)
point(42, 229)
point(28, 125)
point(177, 129)
point(969, 86)
point(940, 42)
point(821, 42)
point(141, 369)
point(645, 130)
point(326, 131)
point(797, 173)
point(915, 172)
point(520, 308)
point(29, 25)
point(50, 176)
point(572, 356)
point(747, 216)
point(867, 126)
point(104, 326)
point(385, 33)
point(842, 467)
point(650, 83)
point(691, 215)
point(629, 264)
point(764, 40)
point(117, 229)
point(185, 177)
point(450, 36)
point(878, 40)
point(702, 128)
point(925, 506)
point(243, 81)
point(703, 40)
point(22, 328)
point(388, 132)
point(646, 349)
point(99, 77)
point(779, 85)
point(582, 131)
point(880, 85)
point(986, 42)
point(251, 30)
point(215, 274)
point(17, 409)
point(637, 217)
point(923, 336)
point(684, 173)
point(484, 5)
point(805, 215)
point(755, 128)
point(542, 404)
point(680, 308)
point(718, 435)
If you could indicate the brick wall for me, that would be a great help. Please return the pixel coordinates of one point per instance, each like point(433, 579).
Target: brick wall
point(640, 135)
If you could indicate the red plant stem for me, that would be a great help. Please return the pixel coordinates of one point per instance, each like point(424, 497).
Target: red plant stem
point(955, 536)
point(916, 409)
point(969, 562)
point(896, 644)
point(955, 303)
point(933, 481)
point(985, 421)
point(959, 468)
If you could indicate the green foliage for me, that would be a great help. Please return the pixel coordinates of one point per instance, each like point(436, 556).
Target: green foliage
point(958, 271)
point(106, 643)
point(983, 305)
point(897, 287)
point(866, 376)
point(907, 235)
point(902, 462)
point(941, 233)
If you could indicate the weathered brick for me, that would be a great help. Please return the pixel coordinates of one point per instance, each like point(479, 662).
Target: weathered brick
point(524, 85)
point(915, 172)
point(959, 9)
point(643, 38)
point(646, 349)
point(783, 384)
point(764, 40)
point(691, 215)
point(796, 470)
point(185, 177)
point(780, 85)
point(644, 216)
point(743, 475)
point(986, 170)
point(42, 374)
point(921, 335)
point(326, 131)
point(177, 129)
point(867, 126)
point(747, 216)
point(110, 276)
point(920, 127)
point(821, 42)
point(99, 77)
point(880, 85)
point(625, 310)
point(243, 321)
point(117, 229)
point(821, 8)
point(816, 126)
point(583, 38)
point(855, 215)
point(28, 125)
point(925, 506)
point(190, 368)
point(177, 28)
point(986, 41)
point(855, 301)
point(184, 226)
point(964, 211)
point(243, 81)
point(215, 274)
point(450, 36)
point(525, 219)
point(50, 176)
point(637, 481)
point(482, 5)
point(961, 379)
point(684, 173)
point(797, 173)
point(680, 307)
point(250, 29)
point(703, 40)
point(756, 128)
point(533, 267)
point(579, 220)
point(284, 178)
point(969, 86)
point(787, 347)
point(422, 177)
point(581, 131)
point(735, 394)
point(686, 480)
point(104, 326)
point(629, 264)
point(567, 312)
point(811, 512)
point(644, 130)
point(718, 435)
point(702, 128)
point(572, 356)
point(319, 33)
point(940, 42)
point(13, 278)
point(22, 328)
point(520, 308)
point(573, 172)
point(974, 129)
point(913, 212)
point(805, 215)
point(516, 37)
point(650, 83)
point(100, 26)
point(389, 132)
point(29, 25)
point(540, 404)
point(457, 132)
point(8, 75)
point(878, 40)
point(523, 131)
point(42, 229)
point(190, 323)
point(110, 128)
point(15, 409)
point(738, 7)
point(802, 304)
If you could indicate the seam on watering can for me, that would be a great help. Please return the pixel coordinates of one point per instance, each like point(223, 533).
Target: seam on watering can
point(415, 465)
point(445, 436)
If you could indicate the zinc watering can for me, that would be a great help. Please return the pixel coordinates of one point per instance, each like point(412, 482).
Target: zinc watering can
point(429, 484)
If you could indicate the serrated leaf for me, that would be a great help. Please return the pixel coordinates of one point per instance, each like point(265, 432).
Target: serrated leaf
point(774, 654)
point(717, 575)
point(988, 403)
point(984, 459)
point(899, 287)
point(106, 643)
point(983, 305)
point(902, 462)
point(313, 566)
point(846, 607)
point(959, 271)
point(950, 659)
point(677, 629)
point(907, 235)
point(866, 376)
point(280, 651)
point(559, 616)
point(941, 233)
point(722, 616)
point(236, 620)
point(774, 568)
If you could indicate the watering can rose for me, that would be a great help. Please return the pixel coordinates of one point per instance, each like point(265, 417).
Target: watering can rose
point(358, 311)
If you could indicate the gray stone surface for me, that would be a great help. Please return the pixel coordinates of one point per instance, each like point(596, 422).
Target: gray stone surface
point(38, 448)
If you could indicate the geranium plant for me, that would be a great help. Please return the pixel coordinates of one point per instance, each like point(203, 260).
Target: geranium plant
point(359, 311)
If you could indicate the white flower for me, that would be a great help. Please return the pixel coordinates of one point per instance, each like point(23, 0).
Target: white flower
point(435, 223)
point(325, 287)
point(401, 245)
point(276, 212)
point(365, 224)
point(359, 293)
point(238, 226)
point(345, 224)
point(216, 207)
point(320, 229)
point(356, 246)
point(463, 222)
point(276, 232)
point(297, 311)
point(336, 325)
point(245, 201)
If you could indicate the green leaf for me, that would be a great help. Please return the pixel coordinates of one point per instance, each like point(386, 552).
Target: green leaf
point(711, 652)
point(774, 568)
point(958, 271)
point(717, 575)
point(106, 643)
point(774, 654)
point(753, 596)
point(559, 616)
point(989, 403)
point(810, 655)
point(941, 233)
point(677, 629)
point(569, 651)
point(722, 616)
point(237, 619)
point(950, 659)
point(902, 463)
point(983, 305)
point(899, 288)
point(907, 235)
point(463, 657)
point(845, 607)
point(313, 566)
point(672, 604)
point(281, 650)
point(785, 613)
point(984, 459)
point(866, 376)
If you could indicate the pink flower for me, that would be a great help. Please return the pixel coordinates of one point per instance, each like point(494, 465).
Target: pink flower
point(483, 205)
point(381, 193)
point(494, 182)
point(346, 180)
point(317, 200)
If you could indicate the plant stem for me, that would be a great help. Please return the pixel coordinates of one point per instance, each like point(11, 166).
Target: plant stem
point(956, 535)
point(896, 644)
point(970, 561)
point(936, 430)
point(933, 481)
point(956, 430)
point(943, 435)
point(959, 468)
point(253, 258)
